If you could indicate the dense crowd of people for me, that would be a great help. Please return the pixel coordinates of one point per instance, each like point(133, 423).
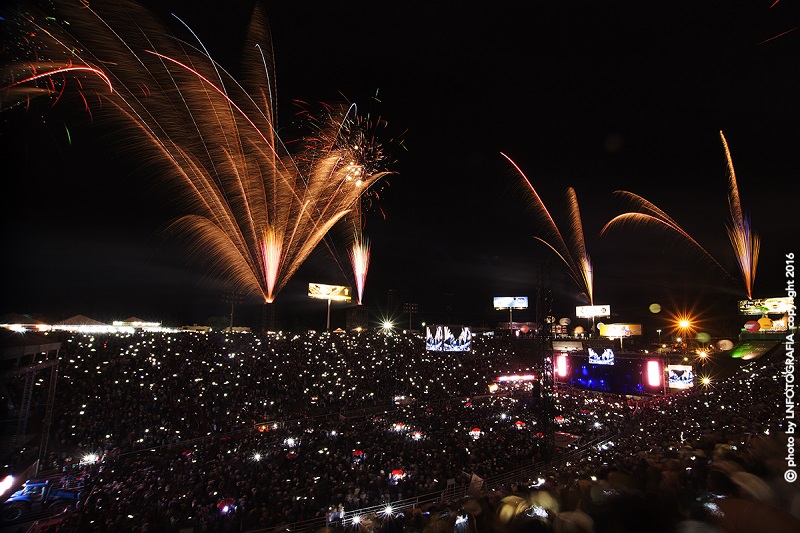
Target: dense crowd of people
point(221, 432)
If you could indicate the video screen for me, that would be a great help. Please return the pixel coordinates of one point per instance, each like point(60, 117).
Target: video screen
point(433, 338)
point(448, 339)
point(606, 357)
point(457, 339)
point(680, 376)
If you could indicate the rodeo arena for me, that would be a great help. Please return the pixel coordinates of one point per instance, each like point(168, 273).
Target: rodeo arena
point(133, 427)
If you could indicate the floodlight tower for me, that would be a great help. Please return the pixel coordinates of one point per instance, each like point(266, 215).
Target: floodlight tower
point(544, 352)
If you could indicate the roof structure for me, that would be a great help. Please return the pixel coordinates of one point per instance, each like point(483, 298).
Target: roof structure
point(81, 320)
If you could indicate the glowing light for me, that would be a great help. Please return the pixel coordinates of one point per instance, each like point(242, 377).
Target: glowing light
point(561, 365)
point(6, 484)
point(517, 377)
point(653, 373)
point(388, 510)
point(89, 458)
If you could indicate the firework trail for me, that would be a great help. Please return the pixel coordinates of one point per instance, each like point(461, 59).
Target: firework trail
point(359, 257)
point(255, 209)
point(745, 242)
point(574, 256)
point(355, 130)
point(651, 215)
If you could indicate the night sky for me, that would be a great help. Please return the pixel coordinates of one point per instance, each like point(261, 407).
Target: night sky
point(595, 96)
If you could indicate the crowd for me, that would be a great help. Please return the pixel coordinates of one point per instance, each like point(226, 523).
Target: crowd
point(240, 432)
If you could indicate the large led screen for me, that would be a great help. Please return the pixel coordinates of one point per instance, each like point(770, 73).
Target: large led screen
point(457, 339)
point(605, 357)
point(448, 339)
point(680, 376)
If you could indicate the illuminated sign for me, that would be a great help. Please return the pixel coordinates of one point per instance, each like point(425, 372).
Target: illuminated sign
point(766, 305)
point(589, 311)
point(616, 331)
point(510, 302)
point(336, 293)
point(560, 345)
point(680, 376)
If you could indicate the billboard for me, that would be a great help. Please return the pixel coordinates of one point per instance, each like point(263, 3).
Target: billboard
point(766, 305)
point(560, 345)
point(680, 376)
point(512, 302)
point(336, 293)
point(448, 339)
point(620, 330)
point(589, 311)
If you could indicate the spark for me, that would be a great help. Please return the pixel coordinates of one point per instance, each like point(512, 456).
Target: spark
point(779, 35)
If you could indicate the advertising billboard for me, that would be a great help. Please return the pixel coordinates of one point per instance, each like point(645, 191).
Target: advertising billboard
point(615, 331)
point(337, 293)
point(448, 339)
point(766, 305)
point(510, 302)
point(680, 376)
point(589, 311)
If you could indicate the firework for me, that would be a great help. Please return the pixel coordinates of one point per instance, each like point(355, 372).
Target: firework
point(256, 210)
point(359, 257)
point(574, 256)
point(355, 132)
point(745, 242)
